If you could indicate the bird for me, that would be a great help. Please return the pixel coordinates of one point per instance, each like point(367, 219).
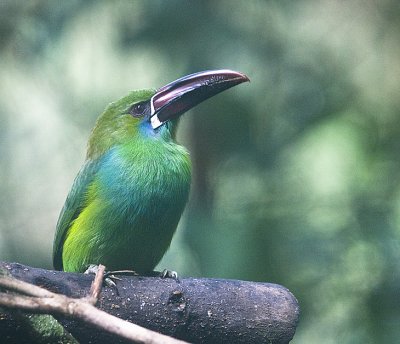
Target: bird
point(127, 199)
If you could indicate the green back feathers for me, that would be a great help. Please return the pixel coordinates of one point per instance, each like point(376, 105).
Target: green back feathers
point(72, 208)
point(116, 125)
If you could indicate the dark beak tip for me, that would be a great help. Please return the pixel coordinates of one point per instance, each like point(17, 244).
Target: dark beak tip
point(233, 75)
point(236, 77)
point(245, 77)
point(181, 95)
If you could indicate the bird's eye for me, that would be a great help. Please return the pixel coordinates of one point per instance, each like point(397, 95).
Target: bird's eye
point(140, 109)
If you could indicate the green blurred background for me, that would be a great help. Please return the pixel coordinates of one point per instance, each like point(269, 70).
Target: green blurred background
point(296, 175)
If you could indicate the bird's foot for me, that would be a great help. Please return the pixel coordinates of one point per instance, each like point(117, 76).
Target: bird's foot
point(110, 277)
point(169, 274)
point(107, 279)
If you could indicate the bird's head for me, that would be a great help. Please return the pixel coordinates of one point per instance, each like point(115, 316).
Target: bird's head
point(155, 113)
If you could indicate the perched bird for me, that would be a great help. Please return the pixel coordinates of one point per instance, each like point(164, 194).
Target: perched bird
point(127, 199)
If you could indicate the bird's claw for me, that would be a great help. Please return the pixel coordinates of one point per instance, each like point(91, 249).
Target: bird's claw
point(169, 274)
point(120, 272)
point(91, 269)
point(109, 281)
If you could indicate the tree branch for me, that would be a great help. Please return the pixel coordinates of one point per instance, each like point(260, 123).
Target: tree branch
point(195, 310)
point(44, 301)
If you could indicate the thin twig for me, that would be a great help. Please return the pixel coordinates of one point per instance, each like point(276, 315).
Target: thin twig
point(22, 287)
point(97, 283)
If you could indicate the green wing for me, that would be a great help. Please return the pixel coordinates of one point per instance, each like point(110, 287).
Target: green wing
point(73, 206)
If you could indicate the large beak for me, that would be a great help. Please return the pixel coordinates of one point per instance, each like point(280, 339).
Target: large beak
point(179, 96)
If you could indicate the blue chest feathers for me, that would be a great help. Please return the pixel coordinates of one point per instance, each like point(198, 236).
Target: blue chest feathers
point(145, 186)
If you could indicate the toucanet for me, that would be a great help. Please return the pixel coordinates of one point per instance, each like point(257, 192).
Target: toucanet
point(127, 199)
